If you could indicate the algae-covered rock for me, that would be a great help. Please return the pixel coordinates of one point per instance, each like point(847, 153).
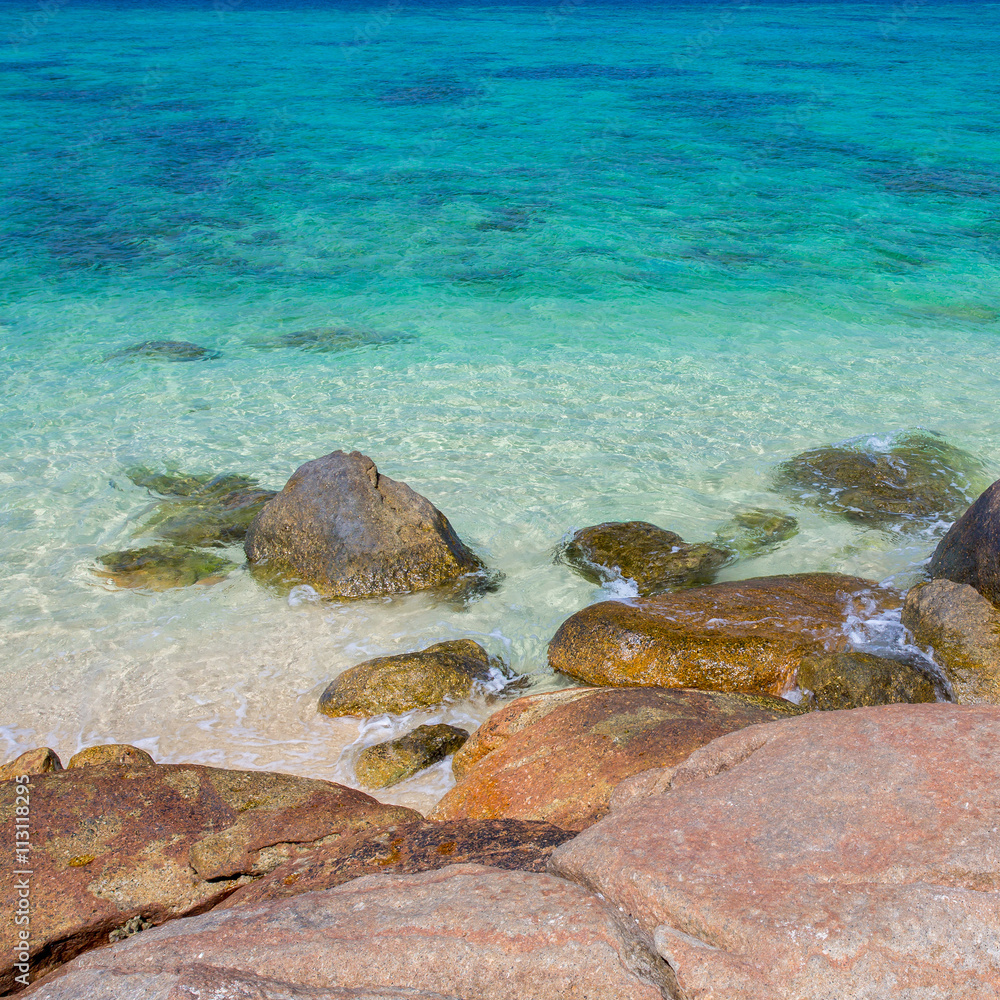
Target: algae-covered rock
point(203, 510)
point(348, 531)
point(741, 635)
point(111, 753)
point(165, 350)
point(41, 760)
point(752, 532)
point(395, 684)
point(909, 480)
point(970, 552)
point(654, 558)
point(852, 679)
point(160, 567)
point(962, 629)
point(396, 760)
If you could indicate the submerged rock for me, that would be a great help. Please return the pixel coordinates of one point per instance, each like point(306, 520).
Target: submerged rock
point(160, 567)
point(558, 756)
point(654, 558)
point(206, 511)
point(962, 629)
point(752, 532)
point(348, 531)
point(465, 931)
point(970, 552)
point(396, 684)
point(852, 679)
point(910, 480)
point(839, 854)
point(41, 760)
point(111, 753)
point(389, 763)
point(743, 635)
point(332, 339)
point(113, 842)
point(166, 350)
point(512, 844)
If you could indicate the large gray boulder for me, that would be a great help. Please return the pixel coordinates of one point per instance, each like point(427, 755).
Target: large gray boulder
point(348, 531)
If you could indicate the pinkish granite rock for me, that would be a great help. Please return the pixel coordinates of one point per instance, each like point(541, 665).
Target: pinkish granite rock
point(462, 932)
point(849, 854)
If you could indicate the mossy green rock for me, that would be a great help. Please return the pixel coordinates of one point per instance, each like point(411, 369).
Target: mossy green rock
point(204, 510)
point(394, 761)
point(853, 679)
point(656, 559)
point(165, 350)
point(331, 339)
point(395, 684)
point(160, 567)
point(911, 480)
point(752, 532)
point(123, 754)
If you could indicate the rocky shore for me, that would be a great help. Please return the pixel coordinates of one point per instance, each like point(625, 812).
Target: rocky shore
point(735, 799)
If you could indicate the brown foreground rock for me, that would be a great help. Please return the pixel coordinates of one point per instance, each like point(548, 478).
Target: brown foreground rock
point(655, 559)
point(111, 753)
point(970, 552)
point(407, 848)
point(852, 679)
point(41, 760)
point(348, 531)
point(745, 635)
point(395, 684)
point(114, 848)
point(963, 629)
point(840, 854)
point(465, 931)
point(557, 758)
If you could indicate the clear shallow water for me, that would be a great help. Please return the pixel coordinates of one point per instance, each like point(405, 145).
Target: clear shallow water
point(622, 260)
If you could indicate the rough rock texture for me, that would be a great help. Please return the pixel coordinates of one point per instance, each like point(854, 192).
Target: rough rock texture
point(333, 339)
point(853, 679)
point(160, 567)
point(395, 684)
point(910, 480)
point(970, 552)
point(389, 763)
point(348, 531)
point(513, 844)
point(41, 760)
point(752, 532)
point(166, 350)
point(204, 982)
point(963, 630)
point(112, 843)
point(747, 635)
point(840, 854)
point(555, 758)
point(111, 753)
point(655, 559)
point(465, 931)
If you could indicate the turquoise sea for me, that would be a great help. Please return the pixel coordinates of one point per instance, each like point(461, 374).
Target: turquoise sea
point(597, 260)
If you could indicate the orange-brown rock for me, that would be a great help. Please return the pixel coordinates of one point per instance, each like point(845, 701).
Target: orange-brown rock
point(512, 844)
point(558, 756)
point(837, 855)
point(744, 635)
point(41, 760)
point(114, 848)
